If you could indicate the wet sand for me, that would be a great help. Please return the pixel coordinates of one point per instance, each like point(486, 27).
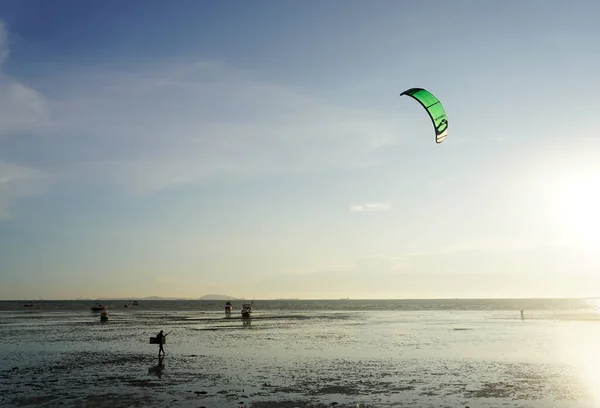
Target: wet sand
point(316, 359)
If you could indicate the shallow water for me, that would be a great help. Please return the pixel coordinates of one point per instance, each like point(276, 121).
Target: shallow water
point(303, 357)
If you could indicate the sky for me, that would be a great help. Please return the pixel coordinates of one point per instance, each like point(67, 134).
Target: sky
point(262, 149)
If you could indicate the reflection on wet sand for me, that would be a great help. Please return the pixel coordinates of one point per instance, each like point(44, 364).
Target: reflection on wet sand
point(301, 359)
point(157, 369)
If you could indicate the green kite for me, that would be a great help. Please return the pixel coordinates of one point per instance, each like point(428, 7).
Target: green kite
point(434, 109)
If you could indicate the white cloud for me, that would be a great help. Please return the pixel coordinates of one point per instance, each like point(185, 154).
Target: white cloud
point(161, 126)
point(21, 107)
point(16, 182)
point(153, 127)
point(370, 207)
point(4, 50)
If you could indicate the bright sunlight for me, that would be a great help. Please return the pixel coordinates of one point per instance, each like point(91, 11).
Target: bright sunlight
point(579, 209)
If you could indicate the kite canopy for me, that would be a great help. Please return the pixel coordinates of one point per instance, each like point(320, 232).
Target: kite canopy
point(434, 109)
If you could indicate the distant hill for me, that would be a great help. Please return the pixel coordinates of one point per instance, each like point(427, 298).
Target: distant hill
point(216, 297)
point(162, 298)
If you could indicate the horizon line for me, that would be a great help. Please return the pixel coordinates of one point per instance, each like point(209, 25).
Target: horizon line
point(169, 298)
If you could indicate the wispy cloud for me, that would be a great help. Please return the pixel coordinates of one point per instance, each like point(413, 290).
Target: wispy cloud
point(22, 108)
point(171, 125)
point(370, 207)
point(16, 182)
point(4, 49)
point(148, 128)
point(486, 246)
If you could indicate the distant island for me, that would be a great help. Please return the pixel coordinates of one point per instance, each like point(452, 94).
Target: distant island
point(217, 297)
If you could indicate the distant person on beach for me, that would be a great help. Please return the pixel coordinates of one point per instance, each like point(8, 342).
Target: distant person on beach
point(522, 314)
point(159, 338)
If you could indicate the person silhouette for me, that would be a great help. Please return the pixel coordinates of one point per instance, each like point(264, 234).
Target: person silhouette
point(159, 337)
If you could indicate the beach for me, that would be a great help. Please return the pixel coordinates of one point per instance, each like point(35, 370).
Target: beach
point(348, 353)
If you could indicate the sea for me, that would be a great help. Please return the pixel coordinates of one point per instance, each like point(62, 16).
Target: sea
point(302, 353)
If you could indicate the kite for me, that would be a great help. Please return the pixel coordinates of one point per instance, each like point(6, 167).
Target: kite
point(434, 109)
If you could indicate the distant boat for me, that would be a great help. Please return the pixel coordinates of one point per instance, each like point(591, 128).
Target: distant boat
point(28, 305)
point(247, 309)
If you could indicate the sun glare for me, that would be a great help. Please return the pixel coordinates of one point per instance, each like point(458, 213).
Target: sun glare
point(579, 210)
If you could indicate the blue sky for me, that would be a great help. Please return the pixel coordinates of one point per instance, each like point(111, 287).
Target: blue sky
point(261, 149)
